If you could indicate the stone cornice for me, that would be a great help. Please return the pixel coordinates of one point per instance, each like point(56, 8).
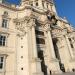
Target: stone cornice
point(41, 11)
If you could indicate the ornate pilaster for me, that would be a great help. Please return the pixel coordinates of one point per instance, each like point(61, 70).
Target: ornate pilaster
point(49, 40)
point(69, 47)
point(35, 61)
point(50, 58)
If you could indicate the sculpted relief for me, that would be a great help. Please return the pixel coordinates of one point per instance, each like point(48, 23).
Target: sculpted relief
point(23, 23)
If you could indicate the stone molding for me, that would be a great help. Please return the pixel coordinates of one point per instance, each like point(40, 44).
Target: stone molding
point(23, 23)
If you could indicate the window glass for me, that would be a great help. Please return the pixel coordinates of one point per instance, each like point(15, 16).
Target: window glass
point(4, 23)
point(1, 62)
point(2, 40)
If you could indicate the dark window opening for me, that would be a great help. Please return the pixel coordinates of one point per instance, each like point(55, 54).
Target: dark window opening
point(69, 39)
point(40, 41)
point(72, 46)
point(43, 66)
point(37, 23)
point(1, 62)
point(36, 3)
point(39, 32)
point(71, 42)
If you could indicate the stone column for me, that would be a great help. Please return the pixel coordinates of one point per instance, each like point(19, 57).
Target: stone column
point(69, 47)
point(34, 42)
point(50, 59)
point(51, 48)
point(36, 63)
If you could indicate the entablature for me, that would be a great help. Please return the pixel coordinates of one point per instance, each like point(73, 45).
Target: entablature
point(58, 32)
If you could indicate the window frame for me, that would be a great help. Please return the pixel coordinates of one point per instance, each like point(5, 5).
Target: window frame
point(5, 16)
point(5, 24)
point(4, 61)
point(3, 41)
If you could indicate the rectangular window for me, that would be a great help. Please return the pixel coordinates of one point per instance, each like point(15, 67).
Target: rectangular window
point(2, 40)
point(1, 62)
point(4, 23)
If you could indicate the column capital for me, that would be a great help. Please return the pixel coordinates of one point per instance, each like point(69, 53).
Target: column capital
point(47, 27)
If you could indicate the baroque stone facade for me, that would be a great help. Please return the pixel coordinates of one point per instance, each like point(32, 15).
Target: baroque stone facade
point(34, 40)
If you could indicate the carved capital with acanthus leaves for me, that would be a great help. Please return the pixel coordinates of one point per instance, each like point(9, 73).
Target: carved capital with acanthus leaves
point(23, 23)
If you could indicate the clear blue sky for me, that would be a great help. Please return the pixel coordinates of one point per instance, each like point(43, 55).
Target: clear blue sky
point(64, 8)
